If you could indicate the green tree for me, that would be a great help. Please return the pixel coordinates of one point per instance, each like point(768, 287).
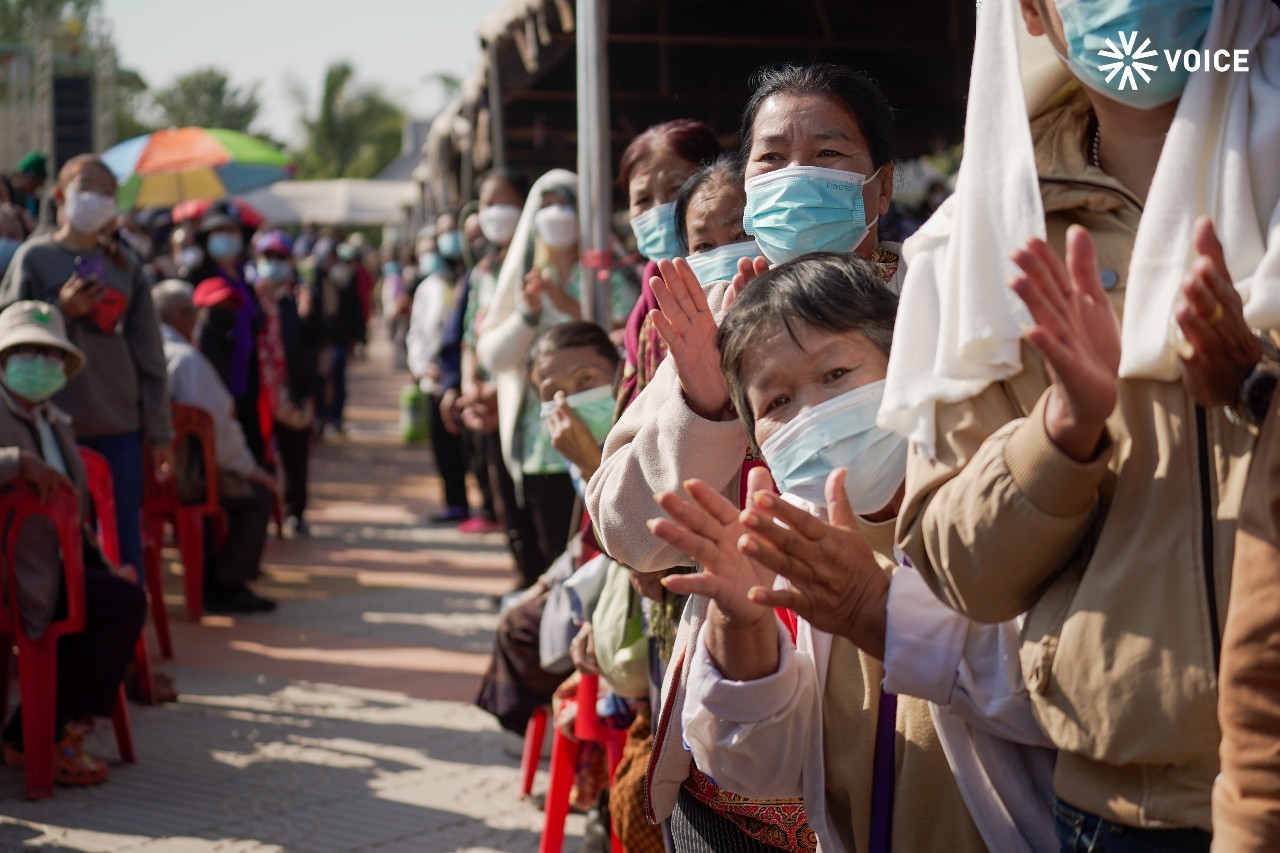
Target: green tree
point(206, 98)
point(17, 15)
point(131, 96)
point(353, 132)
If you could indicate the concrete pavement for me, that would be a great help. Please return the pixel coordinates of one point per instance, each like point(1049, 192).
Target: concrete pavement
point(342, 722)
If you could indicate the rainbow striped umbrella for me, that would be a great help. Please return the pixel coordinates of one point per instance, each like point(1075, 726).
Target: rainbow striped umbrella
point(164, 168)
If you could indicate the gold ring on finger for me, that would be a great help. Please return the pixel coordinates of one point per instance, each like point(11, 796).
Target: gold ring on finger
point(1216, 316)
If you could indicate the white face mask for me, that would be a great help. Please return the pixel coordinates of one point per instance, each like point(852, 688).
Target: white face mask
point(88, 213)
point(840, 433)
point(557, 226)
point(498, 223)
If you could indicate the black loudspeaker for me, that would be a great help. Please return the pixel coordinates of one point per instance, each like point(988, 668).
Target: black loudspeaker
point(72, 116)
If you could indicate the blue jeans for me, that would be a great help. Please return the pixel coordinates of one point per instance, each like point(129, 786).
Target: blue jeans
point(124, 454)
point(1080, 832)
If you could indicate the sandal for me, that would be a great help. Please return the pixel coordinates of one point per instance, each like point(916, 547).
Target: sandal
point(14, 758)
point(165, 688)
point(76, 768)
point(71, 766)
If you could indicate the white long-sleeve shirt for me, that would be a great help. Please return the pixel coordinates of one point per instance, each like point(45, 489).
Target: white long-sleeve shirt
point(431, 303)
point(763, 738)
point(194, 381)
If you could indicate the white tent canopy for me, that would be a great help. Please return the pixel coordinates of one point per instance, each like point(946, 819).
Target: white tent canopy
point(340, 202)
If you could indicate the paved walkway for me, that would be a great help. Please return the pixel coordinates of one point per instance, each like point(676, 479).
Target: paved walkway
point(342, 722)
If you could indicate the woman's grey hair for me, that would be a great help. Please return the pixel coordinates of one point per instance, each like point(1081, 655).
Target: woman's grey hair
point(171, 296)
point(825, 290)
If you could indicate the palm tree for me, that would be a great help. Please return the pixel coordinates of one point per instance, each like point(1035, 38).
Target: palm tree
point(355, 131)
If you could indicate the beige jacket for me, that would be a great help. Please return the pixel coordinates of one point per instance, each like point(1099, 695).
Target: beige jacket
point(1246, 797)
point(1124, 563)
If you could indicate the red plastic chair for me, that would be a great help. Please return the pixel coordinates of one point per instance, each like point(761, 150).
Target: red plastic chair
point(38, 657)
point(102, 491)
point(161, 507)
point(564, 758)
point(534, 735)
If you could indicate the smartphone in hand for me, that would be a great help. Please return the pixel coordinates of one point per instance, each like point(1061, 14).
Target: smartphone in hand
point(93, 268)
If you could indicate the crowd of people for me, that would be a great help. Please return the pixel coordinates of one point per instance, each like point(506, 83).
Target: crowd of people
point(880, 546)
point(961, 543)
point(109, 321)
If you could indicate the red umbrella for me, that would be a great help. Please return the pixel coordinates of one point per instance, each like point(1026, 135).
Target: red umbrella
point(195, 208)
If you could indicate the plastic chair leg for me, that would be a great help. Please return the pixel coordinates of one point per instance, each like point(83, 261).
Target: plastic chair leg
point(6, 655)
point(142, 671)
point(564, 759)
point(124, 733)
point(155, 588)
point(191, 547)
point(534, 734)
point(38, 679)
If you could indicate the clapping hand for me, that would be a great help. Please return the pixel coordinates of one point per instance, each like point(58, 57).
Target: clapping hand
point(837, 585)
point(532, 291)
point(1077, 334)
point(685, 322)
point(748, 270)
point(1221, 348)
point(708, 529)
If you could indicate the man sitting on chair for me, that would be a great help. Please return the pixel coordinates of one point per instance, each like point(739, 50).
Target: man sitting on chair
point(37, 445)
point(246, 492)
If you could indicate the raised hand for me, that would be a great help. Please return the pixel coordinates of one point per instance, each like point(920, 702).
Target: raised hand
point(1077, 334)
point(1220, 349)
point(532, 290)
point(837, 584)
point(748, 270)
point(685, 322)
point(741, 635)
point(708, 528)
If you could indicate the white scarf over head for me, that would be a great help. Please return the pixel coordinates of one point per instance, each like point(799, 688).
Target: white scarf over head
point(512, 381)
point(960, 326)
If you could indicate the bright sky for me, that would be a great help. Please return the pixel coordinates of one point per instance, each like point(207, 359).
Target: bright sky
point(395, 43)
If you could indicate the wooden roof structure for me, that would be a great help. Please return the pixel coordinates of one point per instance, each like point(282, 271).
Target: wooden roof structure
point(691, 59)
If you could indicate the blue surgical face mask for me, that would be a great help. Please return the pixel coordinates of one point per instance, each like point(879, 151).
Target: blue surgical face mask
point(34, 377)
point(224, 246)
point(656, 236)
point(594, 406)
point(8, 248)
point(804, 209)
point(430, 264)
point(449, 245)
point(721, 263)
point(274, 269)
point(1089, 25)
point(839, 433)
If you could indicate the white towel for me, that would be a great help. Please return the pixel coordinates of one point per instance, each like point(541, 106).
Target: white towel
point(960, 326)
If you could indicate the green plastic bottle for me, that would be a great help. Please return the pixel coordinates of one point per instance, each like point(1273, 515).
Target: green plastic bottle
point(413, 414)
